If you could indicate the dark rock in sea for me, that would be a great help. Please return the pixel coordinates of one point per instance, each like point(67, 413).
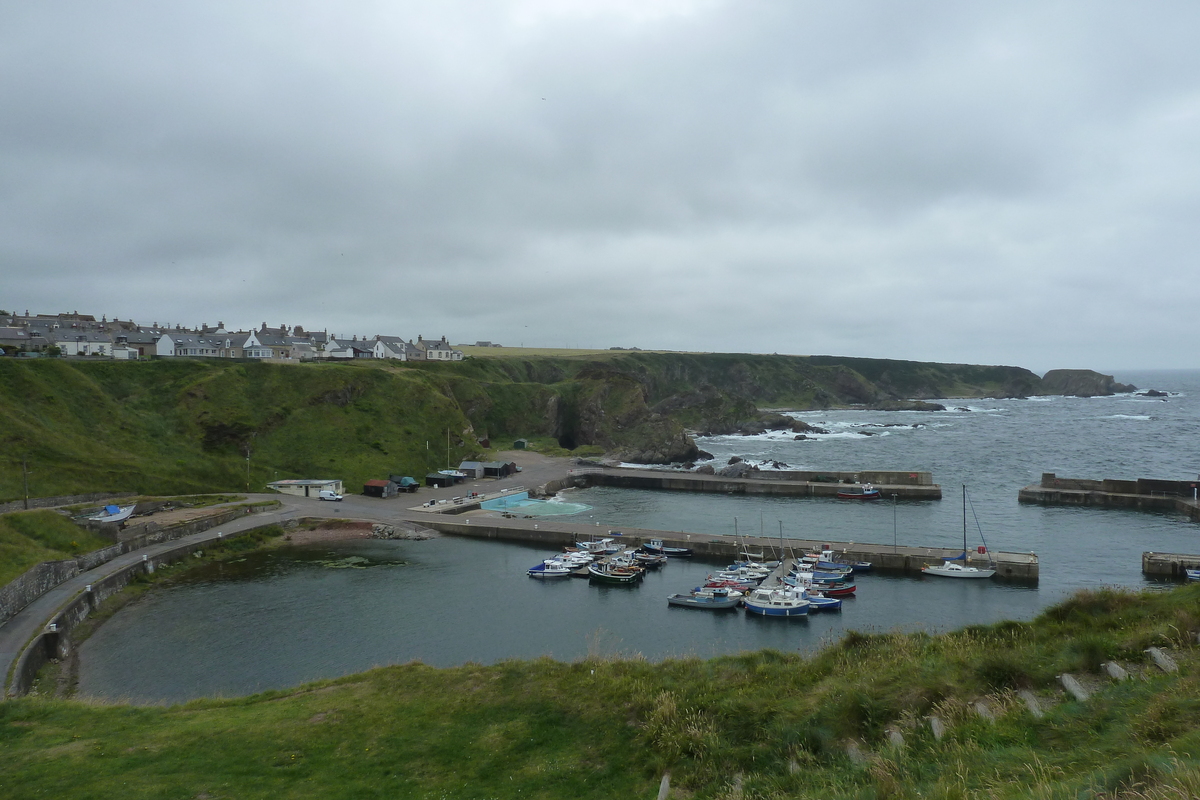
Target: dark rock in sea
point(779, 465)
point(739, 470)
point(804, 427)
point(867, 433)
point(800, 438)
point(1082, 383)
point(705, 469)
point(905, 405)
point(962, 408)
point(734, 459)
point(1152, 393)
point(704, 455)
point(688, 465)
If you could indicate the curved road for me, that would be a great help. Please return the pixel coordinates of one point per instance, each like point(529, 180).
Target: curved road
point(29, 621)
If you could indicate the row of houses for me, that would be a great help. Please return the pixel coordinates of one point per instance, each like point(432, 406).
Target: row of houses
point(82, 335)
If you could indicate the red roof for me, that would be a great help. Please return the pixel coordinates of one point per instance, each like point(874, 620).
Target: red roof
point(377, 483)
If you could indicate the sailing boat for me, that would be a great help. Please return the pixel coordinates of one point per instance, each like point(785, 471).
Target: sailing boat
point(950, 568)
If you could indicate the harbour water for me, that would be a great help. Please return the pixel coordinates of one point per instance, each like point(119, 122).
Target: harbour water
point(276, 619)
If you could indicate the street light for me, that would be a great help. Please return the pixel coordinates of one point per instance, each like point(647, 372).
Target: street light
point(893, 524)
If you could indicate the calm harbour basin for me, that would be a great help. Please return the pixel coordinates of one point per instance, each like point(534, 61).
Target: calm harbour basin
point(278, 618)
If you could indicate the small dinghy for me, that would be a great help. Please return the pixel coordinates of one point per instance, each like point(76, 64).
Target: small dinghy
point(711, 599)
point(113, 514)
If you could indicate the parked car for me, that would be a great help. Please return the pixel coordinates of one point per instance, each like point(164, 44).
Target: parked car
point(325, 494)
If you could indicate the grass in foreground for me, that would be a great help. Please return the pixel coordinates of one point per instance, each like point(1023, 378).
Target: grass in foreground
point(757, 725)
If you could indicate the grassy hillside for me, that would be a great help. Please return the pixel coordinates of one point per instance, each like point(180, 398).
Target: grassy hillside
point(31, 537)
point(177, 426)
point(757, 725)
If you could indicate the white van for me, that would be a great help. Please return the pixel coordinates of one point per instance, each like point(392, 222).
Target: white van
point(325, 494)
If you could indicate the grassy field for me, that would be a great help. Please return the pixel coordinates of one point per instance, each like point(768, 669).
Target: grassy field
point(28, 538)
point(757, 725)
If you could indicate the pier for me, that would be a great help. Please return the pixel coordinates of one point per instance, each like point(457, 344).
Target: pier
point(554, 534)
point(907, 485)
point(1168, 565)
point(1141, 494)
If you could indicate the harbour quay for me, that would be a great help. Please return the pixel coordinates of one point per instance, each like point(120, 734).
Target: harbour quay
point(903, 485)
point(1016, 567)
point(1142, 494)
point(1169, 565)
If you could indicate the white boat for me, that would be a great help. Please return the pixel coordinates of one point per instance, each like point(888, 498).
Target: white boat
point(779, 602)
point(550, 568)
point(950, 568)
point(1192, 574)
point(113, 514)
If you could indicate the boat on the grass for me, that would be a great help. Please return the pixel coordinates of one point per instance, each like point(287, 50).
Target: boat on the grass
point(550, 568)
point(114, 514)
point(617, 574)
point(951, 568)
point(1192, 574)
point(656, 547)
point(863, 491)
point(709, 599)
point(777, 602)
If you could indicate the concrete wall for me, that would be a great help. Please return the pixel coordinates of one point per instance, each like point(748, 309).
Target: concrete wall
point(691, 482)
point(55, 644)
point(69, 500)
point(32, 584)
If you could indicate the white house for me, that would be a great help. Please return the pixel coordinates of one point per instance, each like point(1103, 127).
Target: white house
point(82, 343)
point(390, 347)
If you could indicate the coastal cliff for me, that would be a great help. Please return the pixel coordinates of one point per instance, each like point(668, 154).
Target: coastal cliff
point(190, 425)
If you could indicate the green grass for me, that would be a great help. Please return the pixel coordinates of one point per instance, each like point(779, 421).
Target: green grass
point(756, 725)
point(28, 538)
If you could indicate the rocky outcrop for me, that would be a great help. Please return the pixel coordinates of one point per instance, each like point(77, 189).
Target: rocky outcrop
point(905, 405)
point(1082, 383)
point(739, 470)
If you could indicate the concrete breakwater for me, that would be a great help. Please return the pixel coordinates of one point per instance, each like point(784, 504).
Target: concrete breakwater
point(1142, 494)
point(1169, 565)
point(907, 485)
point(1021, 567)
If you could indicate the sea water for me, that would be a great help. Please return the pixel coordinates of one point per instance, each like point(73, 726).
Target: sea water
point(279, 618)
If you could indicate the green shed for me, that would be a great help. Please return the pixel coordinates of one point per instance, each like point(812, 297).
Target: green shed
point(521, 444)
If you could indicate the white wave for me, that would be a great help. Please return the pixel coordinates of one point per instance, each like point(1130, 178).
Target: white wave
point(1127, 416)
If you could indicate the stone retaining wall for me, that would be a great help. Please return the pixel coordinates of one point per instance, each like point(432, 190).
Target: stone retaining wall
point(69, 500)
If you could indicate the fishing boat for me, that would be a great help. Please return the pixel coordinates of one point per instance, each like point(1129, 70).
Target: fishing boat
point(614, 574)
point(113, 514)
point(830, 561)
point(600, 547)
point(863, 491)
point(777, 602)
point(649, 560)
point(709, 599)
point(550, 568)
point(656, 547)
point(819, 602)
point(950, 567)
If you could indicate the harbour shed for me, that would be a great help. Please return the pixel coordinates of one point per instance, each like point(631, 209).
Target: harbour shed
point(474, 469)
point(521, 444)
point(381, 488)
point(498, 469)
point(307, 487)
point(438, 479)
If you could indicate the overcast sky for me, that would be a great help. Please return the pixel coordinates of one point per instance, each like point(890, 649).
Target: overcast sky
point(997, 183)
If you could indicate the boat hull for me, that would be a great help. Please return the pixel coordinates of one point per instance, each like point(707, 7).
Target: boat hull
point(688, 601)
point(777, 611)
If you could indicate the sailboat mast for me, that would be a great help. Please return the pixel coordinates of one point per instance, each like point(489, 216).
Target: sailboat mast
point(964, 523)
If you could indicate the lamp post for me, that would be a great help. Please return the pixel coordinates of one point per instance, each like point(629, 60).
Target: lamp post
point(893, 524)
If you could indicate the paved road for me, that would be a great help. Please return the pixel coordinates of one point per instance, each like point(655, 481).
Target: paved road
point(19, 629)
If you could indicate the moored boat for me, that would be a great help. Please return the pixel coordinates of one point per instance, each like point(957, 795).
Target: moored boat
point(550, 568)
point(615, 574)
point(863, 491)
point(710, 599)
point(950, 567)
point(777, 602)
point(656, 547)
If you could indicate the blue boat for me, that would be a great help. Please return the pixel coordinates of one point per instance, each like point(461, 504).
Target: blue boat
point(778, 602)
